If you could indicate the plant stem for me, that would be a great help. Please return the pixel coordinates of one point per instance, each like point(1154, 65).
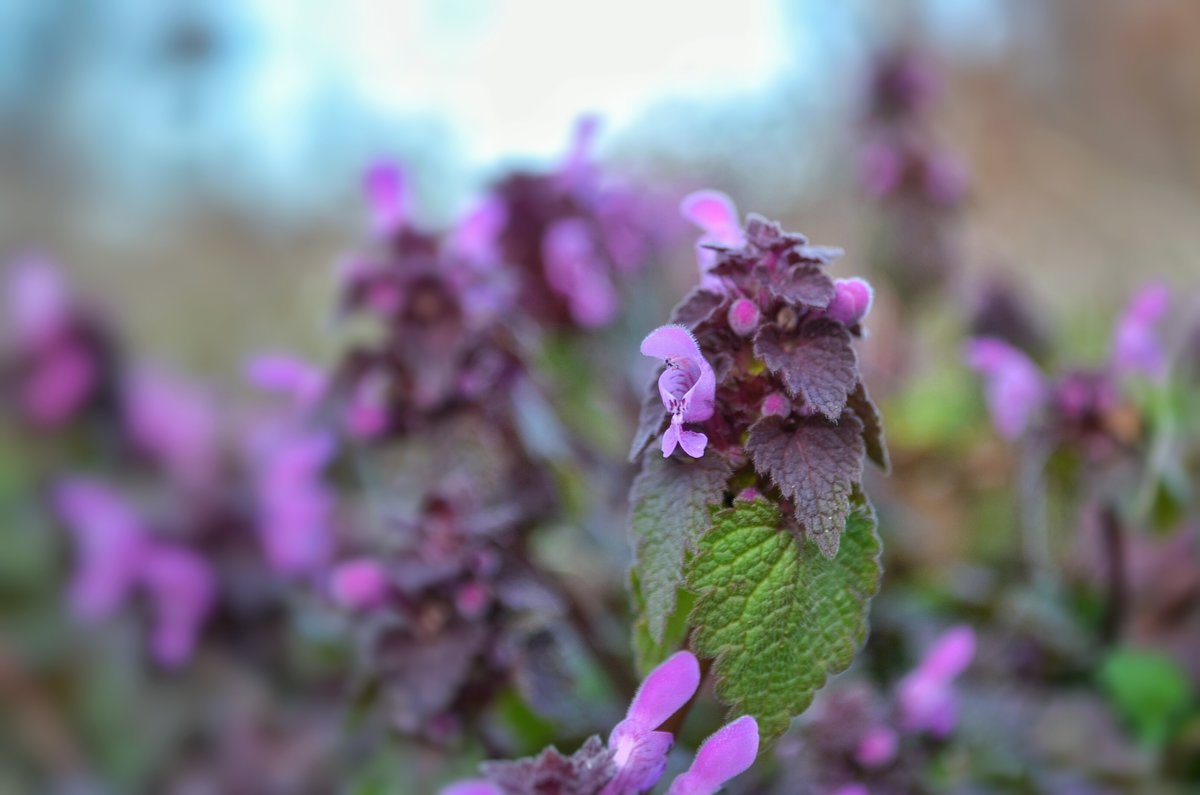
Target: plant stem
point(1118, 587)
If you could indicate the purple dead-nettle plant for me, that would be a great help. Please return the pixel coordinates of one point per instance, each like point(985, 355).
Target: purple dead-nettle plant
point(919, 185)
point(857, 736)
point(635, 757)
point(573, 235)
point(59, 359)
point(1108, 436)
point(760, 399)
point(119, 557)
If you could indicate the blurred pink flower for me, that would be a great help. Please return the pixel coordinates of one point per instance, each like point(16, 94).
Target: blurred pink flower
point(386, 188)
point(108, 537)
point(926, 695)
point(1136, 347)
point(358, 584)
point(729, 752)
point(296, 505)
point(851, 302)
point(577, 272)
point(716, 215)
point(182, 591)
point(1013, 384)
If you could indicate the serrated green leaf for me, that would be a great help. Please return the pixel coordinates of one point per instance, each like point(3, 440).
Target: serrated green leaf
point(1149, 689)
point(669, 511)
point(775, 615)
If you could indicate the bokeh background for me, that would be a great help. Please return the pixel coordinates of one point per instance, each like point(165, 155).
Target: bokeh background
point(196, 161)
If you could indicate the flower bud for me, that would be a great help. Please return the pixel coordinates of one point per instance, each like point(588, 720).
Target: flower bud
point(776, 404)
point(743, 317)
point(851, 301)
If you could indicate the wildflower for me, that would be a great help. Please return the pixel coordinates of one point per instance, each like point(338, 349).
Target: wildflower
point(636, 754)
point(715, 213)
point(727, 753)
point(1136, 347)
point(925, 696)
point(176, 424)
point(358, 584)
point(108, 538)
point(877, 747)
point(182, 590)
point(576, 272)
point(287, 375)
point(1013, 384)
point(687, 386)
point(296, 505)
point(386, 186)
point(639, 750)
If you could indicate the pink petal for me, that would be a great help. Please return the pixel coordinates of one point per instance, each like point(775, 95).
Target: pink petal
point(726, 754)
point(671, 342)
point(715, 213)
point(386, 187)
point(667, 688)
point(288, 375)
point(475, 238)
point(358, 584)
point(693, 443)
point(472, 787)
point(951, 653)
point(851, 301)
point(183, 592)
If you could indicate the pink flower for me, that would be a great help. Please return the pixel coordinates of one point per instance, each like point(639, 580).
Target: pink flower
point(287, 375)
point(358, 584)
point(386, 187)
point(743, 317)
point(108, 538)
point(182, 591)
point(1013, 384)
point(176, 424)
point(877, 747)
point(716, 215)
point(576, 271)
point(60, 381)
point(1136, 347)
point(640, 751)
point(295, 503)
point(926, 695)
point(729, 752)
point(472, 787)
point(687, 386)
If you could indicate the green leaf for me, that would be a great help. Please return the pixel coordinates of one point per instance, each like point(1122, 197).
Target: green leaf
point(1149, 690)
point(647, 652)
point(669, 511)
point(774, 614)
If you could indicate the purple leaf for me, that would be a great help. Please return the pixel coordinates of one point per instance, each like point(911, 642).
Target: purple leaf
point(816, 464)
point(868, 414)
point(584, 772)
point(650, 420)
point(803, 284)
point(816, 362)
point(698, 306)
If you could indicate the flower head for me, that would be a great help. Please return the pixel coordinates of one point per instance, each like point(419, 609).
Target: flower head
point(295, 503)
point(687, 386)
point(1013, 384)
point(358, 584)
point(386, 187)
point(851, 302)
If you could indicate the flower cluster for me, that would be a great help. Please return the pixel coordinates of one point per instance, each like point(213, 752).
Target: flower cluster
point(760, 369)
point(572, 235)
point(635, 757)
point(1087, 409)
point(919, 185)
point(856, 740)
point(61, 360)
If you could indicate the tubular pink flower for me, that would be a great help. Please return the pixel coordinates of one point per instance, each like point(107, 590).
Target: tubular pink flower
point(687, 386)
point(1136, 347)
point(175, 423)
point(182, 590)
point(575, 271)
point(386, 188)
point(727, 753)
point(296, 505)
point(109, 544)
point(640, 752)
point(1013, 384)
point(877, 747)
point(926, 695)
point(716, 215)
point(287, 375)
